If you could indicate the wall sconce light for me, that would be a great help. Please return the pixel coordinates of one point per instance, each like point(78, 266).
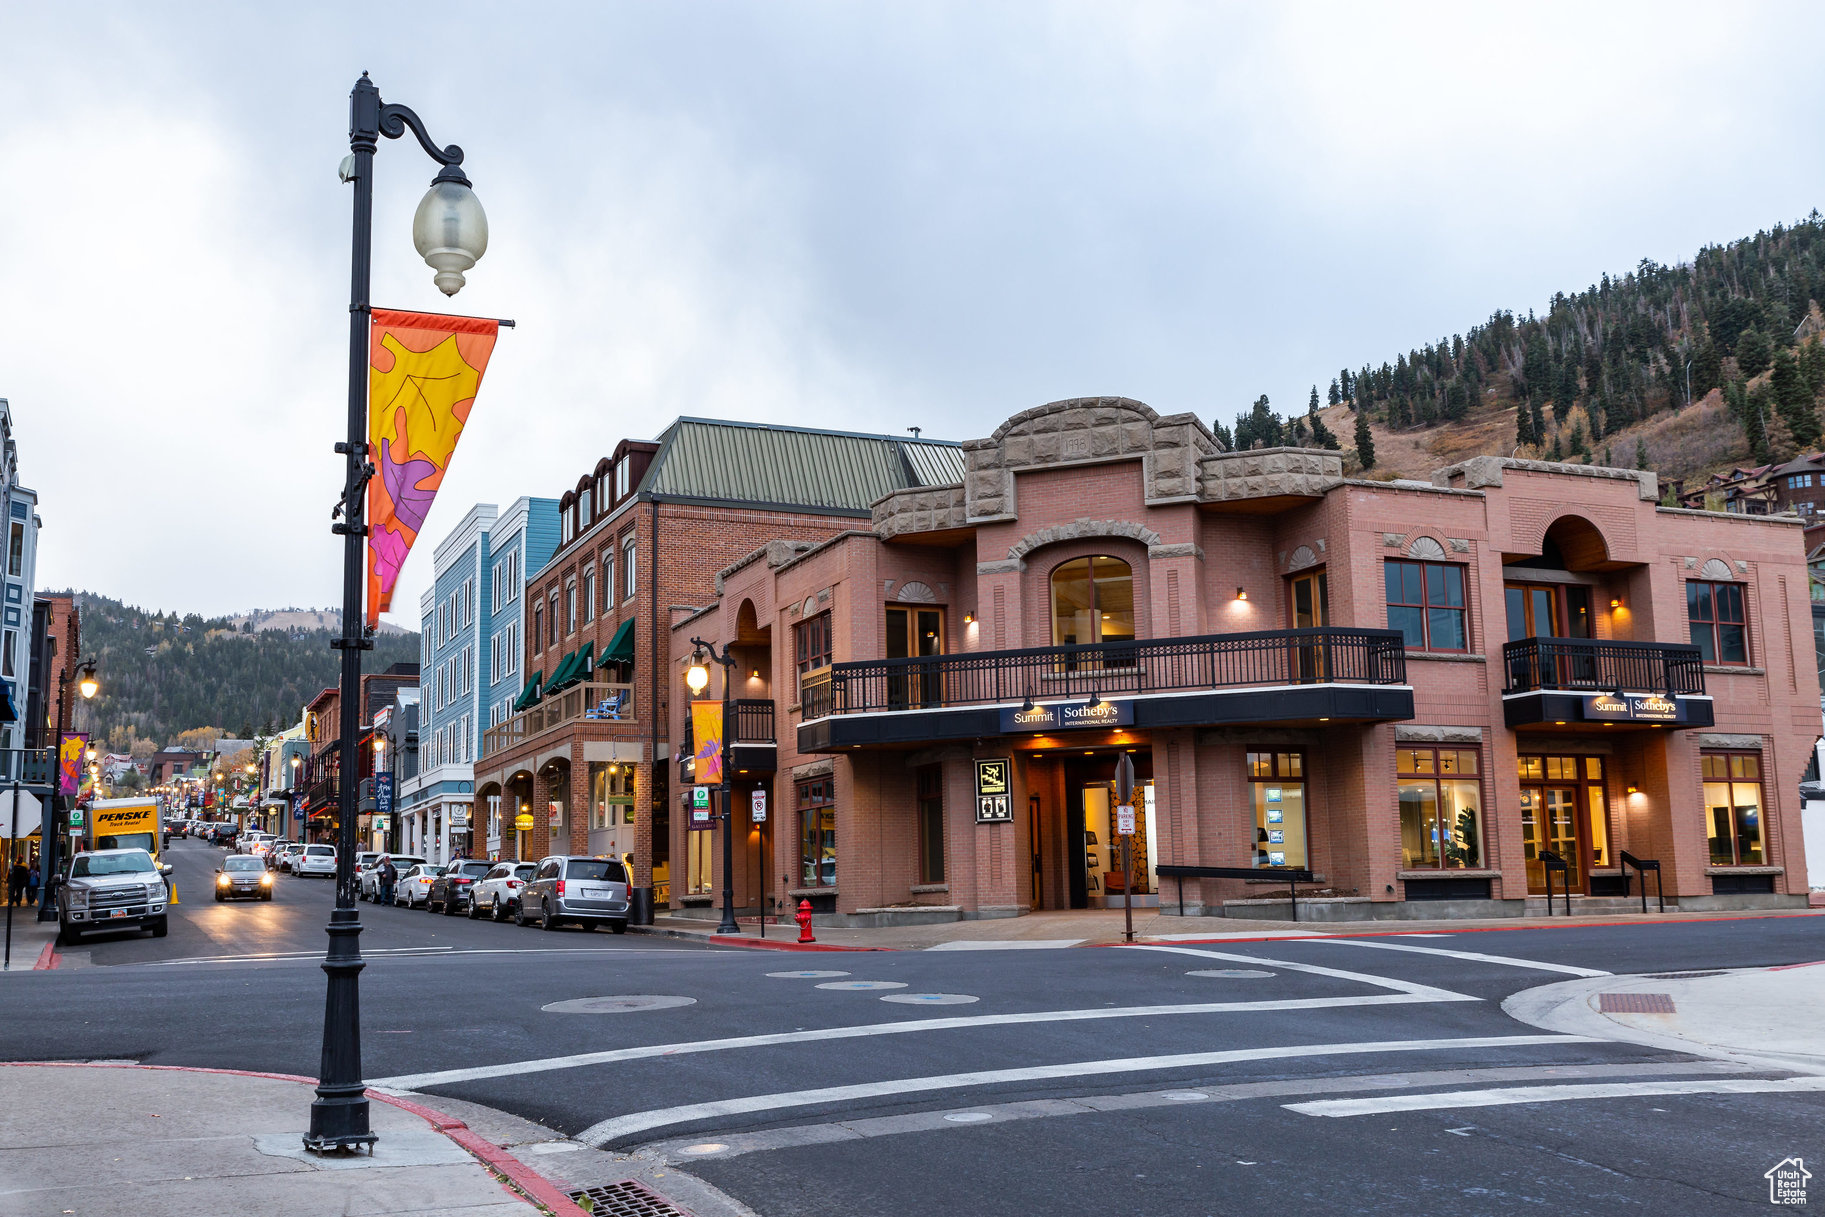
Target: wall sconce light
point(969, 619)
point(1616, 602)
point(1634, 790)
point(1241, 593)
point(754, 675)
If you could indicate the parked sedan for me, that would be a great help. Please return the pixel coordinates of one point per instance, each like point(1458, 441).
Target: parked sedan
point(585, 890)
point(286, 854)
point(315, 860)
point(242, 876)
point(497, 893)
point(414, 886)
point(367, 883)
point(450, 892)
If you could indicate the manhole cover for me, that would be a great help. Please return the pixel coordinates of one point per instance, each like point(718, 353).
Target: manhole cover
point(805, 975)
point(626, 1199)
point(1635, 1003)
point(625, 1004)
point(1231, 973)
point(862, 985)
point(932, 999)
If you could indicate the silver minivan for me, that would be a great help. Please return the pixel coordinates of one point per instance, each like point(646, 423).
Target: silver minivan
point(572, 887)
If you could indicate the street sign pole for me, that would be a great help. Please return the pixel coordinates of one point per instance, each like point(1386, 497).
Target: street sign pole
point(1124, 793)
point(12, 843)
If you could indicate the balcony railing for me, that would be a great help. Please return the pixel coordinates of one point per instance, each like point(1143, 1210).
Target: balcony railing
point(753, 721)
point(1210, 661)
point(28, 766)
point(593, 702)
point(1600, 666)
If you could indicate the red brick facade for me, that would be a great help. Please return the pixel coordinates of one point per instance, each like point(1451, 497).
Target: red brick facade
point(1214, 541)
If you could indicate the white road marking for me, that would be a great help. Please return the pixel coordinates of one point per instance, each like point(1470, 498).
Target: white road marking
point(605, 1131)
point(1006, 944)
point(407, 1083)
point(1551, 1094)
point(1404, 992)
point(1472, 956)
point(409, 952)
point(1427, 992)
point(1245, 935)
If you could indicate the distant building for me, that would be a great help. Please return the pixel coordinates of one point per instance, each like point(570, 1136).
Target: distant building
point(16, 609)
point(56, 637)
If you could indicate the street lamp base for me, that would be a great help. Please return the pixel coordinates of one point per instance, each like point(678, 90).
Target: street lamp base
point(728, 927)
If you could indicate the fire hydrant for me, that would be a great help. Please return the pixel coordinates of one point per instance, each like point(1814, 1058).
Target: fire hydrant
point(804, 921)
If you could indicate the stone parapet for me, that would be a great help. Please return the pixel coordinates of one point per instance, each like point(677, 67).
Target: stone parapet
point(1268, 473)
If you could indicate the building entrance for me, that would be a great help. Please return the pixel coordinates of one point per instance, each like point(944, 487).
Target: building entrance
point(1564, 809)
point(1093, 865)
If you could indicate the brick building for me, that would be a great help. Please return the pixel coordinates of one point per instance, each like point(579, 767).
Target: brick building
point(1426, 693)
point(641, 536)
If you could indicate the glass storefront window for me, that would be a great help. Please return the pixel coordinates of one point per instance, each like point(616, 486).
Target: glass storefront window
point(931, 823)
point(1441, 808)
point(611, 789)
point(1733, 807)
point(817, 832)
point(1564, 808)
point(1276, 783)
point(699, 867)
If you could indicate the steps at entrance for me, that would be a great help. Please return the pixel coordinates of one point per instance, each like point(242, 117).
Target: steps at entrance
point(1596, 906)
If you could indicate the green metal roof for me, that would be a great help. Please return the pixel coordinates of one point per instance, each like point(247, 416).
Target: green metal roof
point(620, 648)
point(839, 472)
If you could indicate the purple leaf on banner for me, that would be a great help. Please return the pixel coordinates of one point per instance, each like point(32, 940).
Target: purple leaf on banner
point(410, 503)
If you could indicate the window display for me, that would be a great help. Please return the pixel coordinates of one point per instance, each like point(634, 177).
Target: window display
point(1277, 791)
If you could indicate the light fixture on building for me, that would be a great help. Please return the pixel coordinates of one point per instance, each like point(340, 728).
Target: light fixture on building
point(1241, 593)
point(754, 675)
point(1027, 705)
point(1634, 789)
point(697, 676)
point(1615, 602)
point(969, 619)
point(1096, 699)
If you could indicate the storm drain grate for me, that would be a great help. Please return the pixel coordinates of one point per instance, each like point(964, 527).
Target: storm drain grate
point(627, 1198)
point(1682, 975)
point(1635, 1003)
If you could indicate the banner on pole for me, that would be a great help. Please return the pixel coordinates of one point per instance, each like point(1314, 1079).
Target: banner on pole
point(424, 370)
point(706, 736)
point(70, 750)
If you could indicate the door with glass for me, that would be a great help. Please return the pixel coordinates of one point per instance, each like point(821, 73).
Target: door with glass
point(1309, 610)
point(1564, 808)
point(913, 633)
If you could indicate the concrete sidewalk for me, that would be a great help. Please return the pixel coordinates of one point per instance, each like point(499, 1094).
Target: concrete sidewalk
point(31, 937)
point(92, 1139)
point(1761, 1017)
point(1097, 927)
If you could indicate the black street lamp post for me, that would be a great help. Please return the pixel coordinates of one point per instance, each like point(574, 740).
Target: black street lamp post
point(698, 678)
point(451, 233)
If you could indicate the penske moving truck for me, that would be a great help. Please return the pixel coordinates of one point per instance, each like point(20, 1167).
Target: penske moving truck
point(124, 824)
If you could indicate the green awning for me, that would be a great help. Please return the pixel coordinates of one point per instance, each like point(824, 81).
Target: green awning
point(560, 675)
point(621, 647)
point(586, 663)
point(529, 696)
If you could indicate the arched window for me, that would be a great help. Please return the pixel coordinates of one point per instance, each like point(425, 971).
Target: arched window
point(1093, 601)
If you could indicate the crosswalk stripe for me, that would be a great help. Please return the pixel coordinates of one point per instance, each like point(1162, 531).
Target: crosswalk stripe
point(1472, 956)
point(618, 1127)
point(1506, 1096)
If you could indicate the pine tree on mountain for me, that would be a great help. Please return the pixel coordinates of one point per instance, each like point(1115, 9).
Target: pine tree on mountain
point(1311, 407)
point(1223, 435)
point(1336, 394)
point(1524, 434)
point(1457, 401)
point(1565, 396)
point(1558, 453)
point(1641, 453)
point(1753, 352)
point(1793, 400)
point(1365, 441)
point(1539, 421)
point(1707, 370)
point(1755, 425)
point(1322, 436)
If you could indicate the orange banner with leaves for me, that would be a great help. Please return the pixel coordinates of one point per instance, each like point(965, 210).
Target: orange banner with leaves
point(424, 370)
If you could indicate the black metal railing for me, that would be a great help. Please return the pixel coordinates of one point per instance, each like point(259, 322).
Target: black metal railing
point(753, 721)
point(1209, 661)
point(28, 766)
point(1600, 666)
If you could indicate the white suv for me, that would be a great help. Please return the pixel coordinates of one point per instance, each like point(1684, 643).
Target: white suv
point(497, 894)
point(315, 860)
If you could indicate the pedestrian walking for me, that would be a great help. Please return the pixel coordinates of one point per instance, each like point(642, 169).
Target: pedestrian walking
point(31, 887)
point(16, 881)
point(389, 874)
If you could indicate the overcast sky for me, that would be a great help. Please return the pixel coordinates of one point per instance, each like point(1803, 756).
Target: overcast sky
point(859, 215)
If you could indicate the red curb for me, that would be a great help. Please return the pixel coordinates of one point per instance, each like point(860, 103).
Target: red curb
point(540, 1189)
point(47, 958)
point(729, 940)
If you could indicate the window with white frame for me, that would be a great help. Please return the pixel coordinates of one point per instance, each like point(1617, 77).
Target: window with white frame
point(608, 578)
point(629, 583)
point(570, 606)
point(494, 587)
point(621, 476)
point(468, 667)
point(589, 593)
point(469, 600)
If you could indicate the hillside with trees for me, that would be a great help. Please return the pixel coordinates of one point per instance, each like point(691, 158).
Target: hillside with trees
point(1681, 369)
point(168, 679)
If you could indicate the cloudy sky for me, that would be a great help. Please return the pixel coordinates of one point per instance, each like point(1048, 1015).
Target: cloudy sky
point(861, 215)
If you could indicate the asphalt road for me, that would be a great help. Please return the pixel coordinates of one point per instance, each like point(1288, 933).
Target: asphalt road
point(1197, 1079)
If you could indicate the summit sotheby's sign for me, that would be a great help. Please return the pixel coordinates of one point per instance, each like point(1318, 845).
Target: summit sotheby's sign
point(1064, 715)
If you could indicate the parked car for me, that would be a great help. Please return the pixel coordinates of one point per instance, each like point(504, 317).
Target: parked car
point(569, 887)
point(450, 892)
point(315, 860)
point(287, 852)
point(497, 893)
point(223, 834)
point(253, 843)
point(112, 889)
point(242, 875)
point(414, 887)
point(363, 860)
point(367, 883)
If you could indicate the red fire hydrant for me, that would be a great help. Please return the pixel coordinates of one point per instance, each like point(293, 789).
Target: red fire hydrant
point(804, 921)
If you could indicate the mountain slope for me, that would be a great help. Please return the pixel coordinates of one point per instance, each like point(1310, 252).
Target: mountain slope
point(162, 674)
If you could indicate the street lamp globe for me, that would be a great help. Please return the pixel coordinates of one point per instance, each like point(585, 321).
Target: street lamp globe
point(87, 685)
point(698, 675)
point(450, 231)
